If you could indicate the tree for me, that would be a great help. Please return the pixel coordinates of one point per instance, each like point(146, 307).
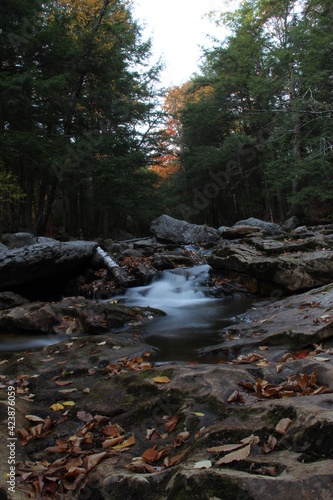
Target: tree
point(75, 92)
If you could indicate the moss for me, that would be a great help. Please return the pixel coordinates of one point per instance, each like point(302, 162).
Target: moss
point(219, 409)
point(315, 442)
point(274, 416)
point(205, 486)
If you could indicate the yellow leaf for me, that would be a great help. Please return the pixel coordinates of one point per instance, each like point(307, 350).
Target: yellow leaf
point(57, 406)
point(197, 413)
point(68, 403)
point(128, 442)
point(162, 380)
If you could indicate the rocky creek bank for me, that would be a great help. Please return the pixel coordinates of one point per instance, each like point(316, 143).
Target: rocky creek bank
point(96, 417)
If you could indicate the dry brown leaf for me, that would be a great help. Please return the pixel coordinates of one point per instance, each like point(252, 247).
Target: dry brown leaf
point(151, 455)
point(91, 461)
point(34, 418)
point(224, 448)
point(237, 455)
point(171, 424)
point(128, 442)
point(176, 459)
point(63, 382)
point(108, 443)
point(251, 440)
point(283, 425)
point(113, 430)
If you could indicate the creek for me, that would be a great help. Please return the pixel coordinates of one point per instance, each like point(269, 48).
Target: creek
point(194, 320)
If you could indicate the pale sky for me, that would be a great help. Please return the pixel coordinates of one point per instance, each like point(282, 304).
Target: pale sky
point(178, 29)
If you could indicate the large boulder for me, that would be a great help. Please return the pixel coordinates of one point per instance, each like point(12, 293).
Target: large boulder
point(267, 227)
point(182, 232)
point(39, 261)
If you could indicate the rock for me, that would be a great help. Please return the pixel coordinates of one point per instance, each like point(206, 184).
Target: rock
point(240, 231)
point(290, 224)
point(72, 315)
point(295, 321)
point(221, 229)
point(266, 227)
point(3, 248)
point(171, 260)
point(10, 299)
point(182, 232)
point(17, 240)
point(131, 252)
point(40, 261)
point(292, 265)
point(114, 386)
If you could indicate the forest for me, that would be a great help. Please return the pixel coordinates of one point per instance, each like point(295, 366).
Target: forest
point(90, 142)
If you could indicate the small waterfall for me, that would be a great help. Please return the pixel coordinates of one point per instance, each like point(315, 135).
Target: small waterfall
point(194, 319)
point(172, 289)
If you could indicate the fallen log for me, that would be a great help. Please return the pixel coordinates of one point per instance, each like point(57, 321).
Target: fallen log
point(102, 259)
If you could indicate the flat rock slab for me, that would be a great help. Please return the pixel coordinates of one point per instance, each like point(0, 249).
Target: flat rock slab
point(295, 321)
point(170, 416)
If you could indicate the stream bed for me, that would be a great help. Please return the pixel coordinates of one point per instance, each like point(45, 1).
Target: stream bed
point(194, 319)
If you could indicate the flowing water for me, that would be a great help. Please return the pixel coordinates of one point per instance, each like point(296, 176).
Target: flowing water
point(194, 319)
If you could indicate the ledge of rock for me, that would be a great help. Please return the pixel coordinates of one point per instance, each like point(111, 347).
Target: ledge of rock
point(72, 315)
point(295, 263)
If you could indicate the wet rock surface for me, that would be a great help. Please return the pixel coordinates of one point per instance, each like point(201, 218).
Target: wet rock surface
point(96, 417)
point(254, 424)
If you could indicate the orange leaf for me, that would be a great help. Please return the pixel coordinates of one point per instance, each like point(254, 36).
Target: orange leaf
point(171, 424)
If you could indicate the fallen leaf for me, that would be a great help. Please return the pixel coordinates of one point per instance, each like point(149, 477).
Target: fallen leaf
point(101, 343)
point(171, 424)
point(34, 418)
point(197, 413)
point(128, 442)
point(237, 455)
point(57, 407)
point(68, 403)
point(283, 425)
point(108, 443)
point(63, 382)
point(203, 464)
point(251, 440)
point(162, 380)
point(92, 460)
